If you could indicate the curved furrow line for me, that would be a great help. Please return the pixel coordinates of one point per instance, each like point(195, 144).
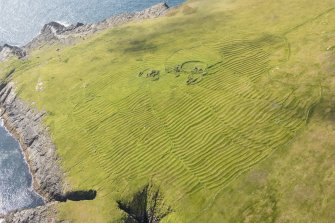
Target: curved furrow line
point(119, 148)
point(233, 114)
point(213, 100)
point(270, 136)
point(216, 177)
point(234, 174)
point(237, 137)
point(246, 67)
point(233, 166)
point(245, 166)
point(179, 109)
point(213, 164)
point(274, 137)
point(182, 181)
point(123, 103)
point(227, 148)
point(211, 172)
point(251, 53)
point(199, 155)
point(180, 126)
point(238, 49)
point(157, 141)
point(147, 160)
point(257, 136)
point(216, 85)
point(248, 139)
point(85, 106)
point(185, 126)
point(207, 114)
point(187, 150)
point(253, 60)
point(244, 93)
point(115, 161)
point(218, 97)
point(237, 91)
point(254, 72)
point(201, 150)
point(106, 126)
point(248, 124)
point(295, 124)
point(193, 135)
point(177, 176)
point(186, 169)
point(268, 114)
point(243, 52)
point(200, 135)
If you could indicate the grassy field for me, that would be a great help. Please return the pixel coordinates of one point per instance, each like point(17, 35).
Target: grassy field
point(226, 106)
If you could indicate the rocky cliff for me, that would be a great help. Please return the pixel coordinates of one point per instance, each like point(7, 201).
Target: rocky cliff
point(43, 214)
point(7, 51)
point(26, 124)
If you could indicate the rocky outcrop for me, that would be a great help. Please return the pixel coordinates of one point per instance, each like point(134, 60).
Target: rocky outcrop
point(26, 124)
point(56, 32)
point(50, 33)
point(55, 28)
point(43, 214)
point(7, 51)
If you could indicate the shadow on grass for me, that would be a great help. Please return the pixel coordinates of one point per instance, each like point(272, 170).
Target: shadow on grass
point(76, 196)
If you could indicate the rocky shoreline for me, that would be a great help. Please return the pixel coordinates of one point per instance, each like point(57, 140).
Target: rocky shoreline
point(26, 124)
point(42, 214)
point(55, 32)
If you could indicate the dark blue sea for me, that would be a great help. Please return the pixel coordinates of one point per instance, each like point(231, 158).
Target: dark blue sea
point(21, 20)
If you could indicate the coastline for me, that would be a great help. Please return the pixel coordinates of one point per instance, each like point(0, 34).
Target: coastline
point(12, 132)
point(69, 34)
point(57, 32)
point(27, 127)
point(26, 124)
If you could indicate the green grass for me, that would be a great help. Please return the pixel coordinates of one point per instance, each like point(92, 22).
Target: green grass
point(263, 66)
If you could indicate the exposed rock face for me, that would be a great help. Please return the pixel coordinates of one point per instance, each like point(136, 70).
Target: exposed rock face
point(26, 124)
point(43, 214)
point(56, 32)
point(7, 51)
point(56, 28)
point(50, 33)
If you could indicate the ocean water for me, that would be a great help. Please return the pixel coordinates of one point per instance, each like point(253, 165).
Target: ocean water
point(21, 20)
point(16, 190)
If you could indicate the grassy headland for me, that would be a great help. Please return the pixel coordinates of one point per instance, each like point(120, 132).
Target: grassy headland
point(225, 105)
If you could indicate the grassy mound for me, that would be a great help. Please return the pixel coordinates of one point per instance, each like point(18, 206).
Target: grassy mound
point(190, 102)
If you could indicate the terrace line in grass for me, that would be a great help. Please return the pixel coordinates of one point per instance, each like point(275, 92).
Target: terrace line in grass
point(232, 89)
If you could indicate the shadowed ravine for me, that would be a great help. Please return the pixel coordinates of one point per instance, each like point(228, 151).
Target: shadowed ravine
point(146, 206)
